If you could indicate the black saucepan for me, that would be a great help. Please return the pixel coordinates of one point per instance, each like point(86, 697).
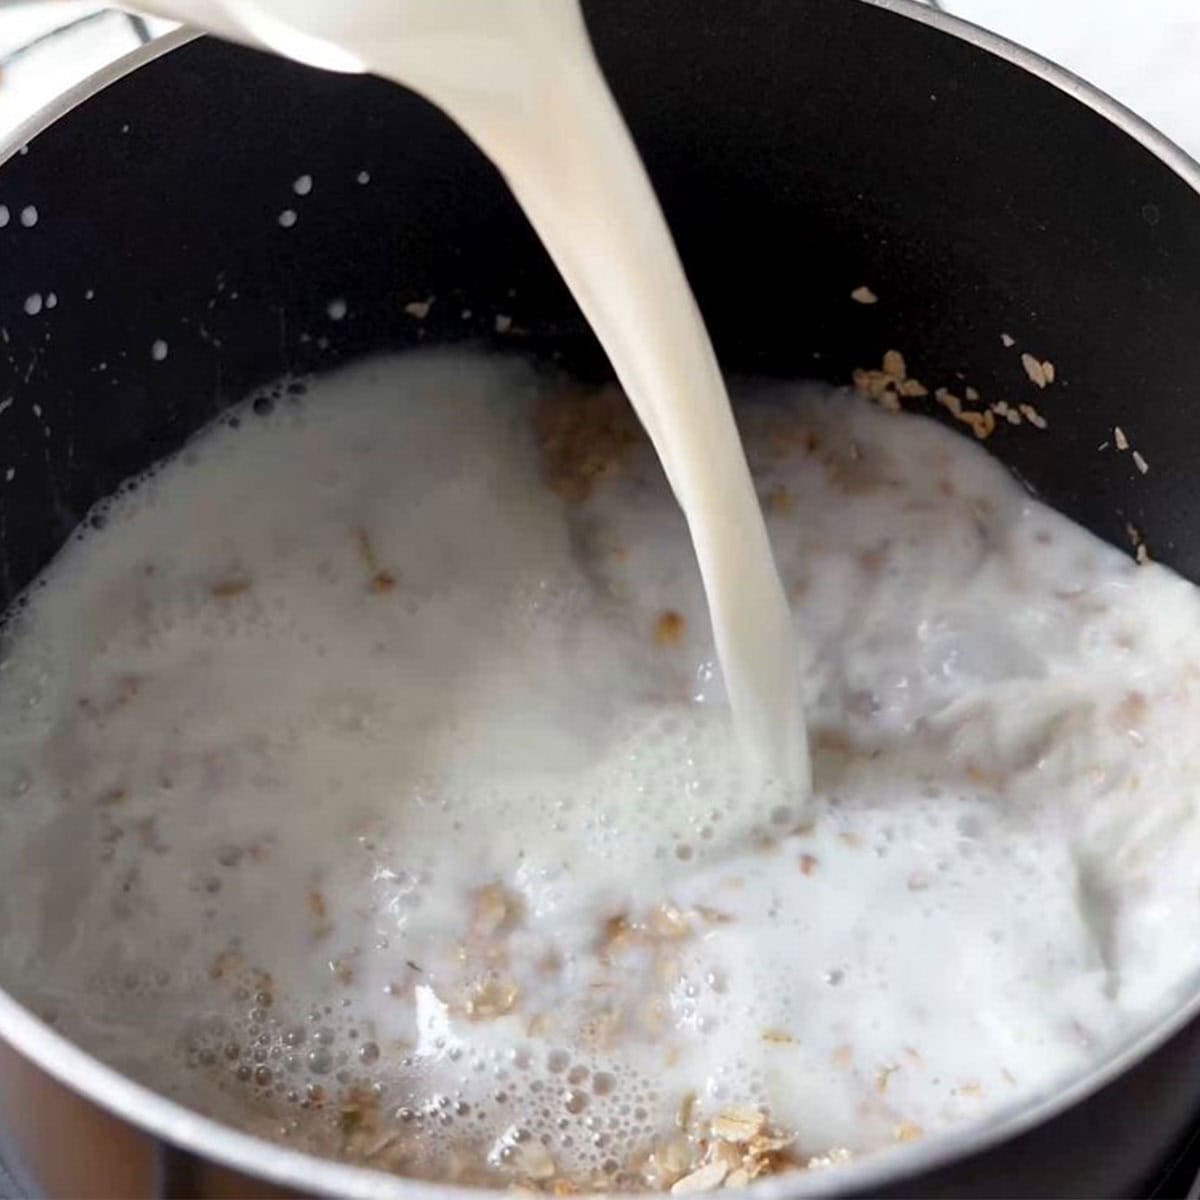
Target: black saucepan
point(801, 148)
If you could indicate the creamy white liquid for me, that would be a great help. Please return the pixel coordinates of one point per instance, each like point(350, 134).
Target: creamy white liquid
point(356, 788)
point(520, 78)
point(351, 791)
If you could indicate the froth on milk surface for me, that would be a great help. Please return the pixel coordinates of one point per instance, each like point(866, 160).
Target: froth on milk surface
point(366, 781)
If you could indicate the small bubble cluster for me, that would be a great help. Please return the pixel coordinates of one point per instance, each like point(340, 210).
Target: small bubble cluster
point(591, 1119)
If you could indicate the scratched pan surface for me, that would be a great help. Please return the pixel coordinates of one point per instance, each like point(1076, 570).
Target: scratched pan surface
point(801, 149)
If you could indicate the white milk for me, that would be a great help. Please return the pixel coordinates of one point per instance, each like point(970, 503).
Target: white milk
point(520, 78)
point(359, 789)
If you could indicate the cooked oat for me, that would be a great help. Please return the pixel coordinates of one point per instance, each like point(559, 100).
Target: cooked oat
point(1035, 370)
point(1034, 417)
point(738, 1124)
point(703, 1179)
point(583, 438)
point(226, 589)
point(668, 629)
point(894, 365)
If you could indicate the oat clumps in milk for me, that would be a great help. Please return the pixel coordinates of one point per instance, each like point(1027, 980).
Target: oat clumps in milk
point(367, 781)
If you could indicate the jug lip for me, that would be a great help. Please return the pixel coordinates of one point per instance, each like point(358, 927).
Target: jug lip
point(211, 1139)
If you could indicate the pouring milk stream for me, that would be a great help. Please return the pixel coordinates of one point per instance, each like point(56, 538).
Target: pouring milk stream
point(519, 77)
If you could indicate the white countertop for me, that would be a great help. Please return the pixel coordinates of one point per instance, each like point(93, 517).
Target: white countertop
point(1145, 55)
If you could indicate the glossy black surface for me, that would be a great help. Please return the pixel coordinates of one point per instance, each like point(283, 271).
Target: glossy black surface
point(800, 149)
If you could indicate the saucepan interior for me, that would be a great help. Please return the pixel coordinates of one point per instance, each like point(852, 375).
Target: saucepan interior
point(801, 151)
